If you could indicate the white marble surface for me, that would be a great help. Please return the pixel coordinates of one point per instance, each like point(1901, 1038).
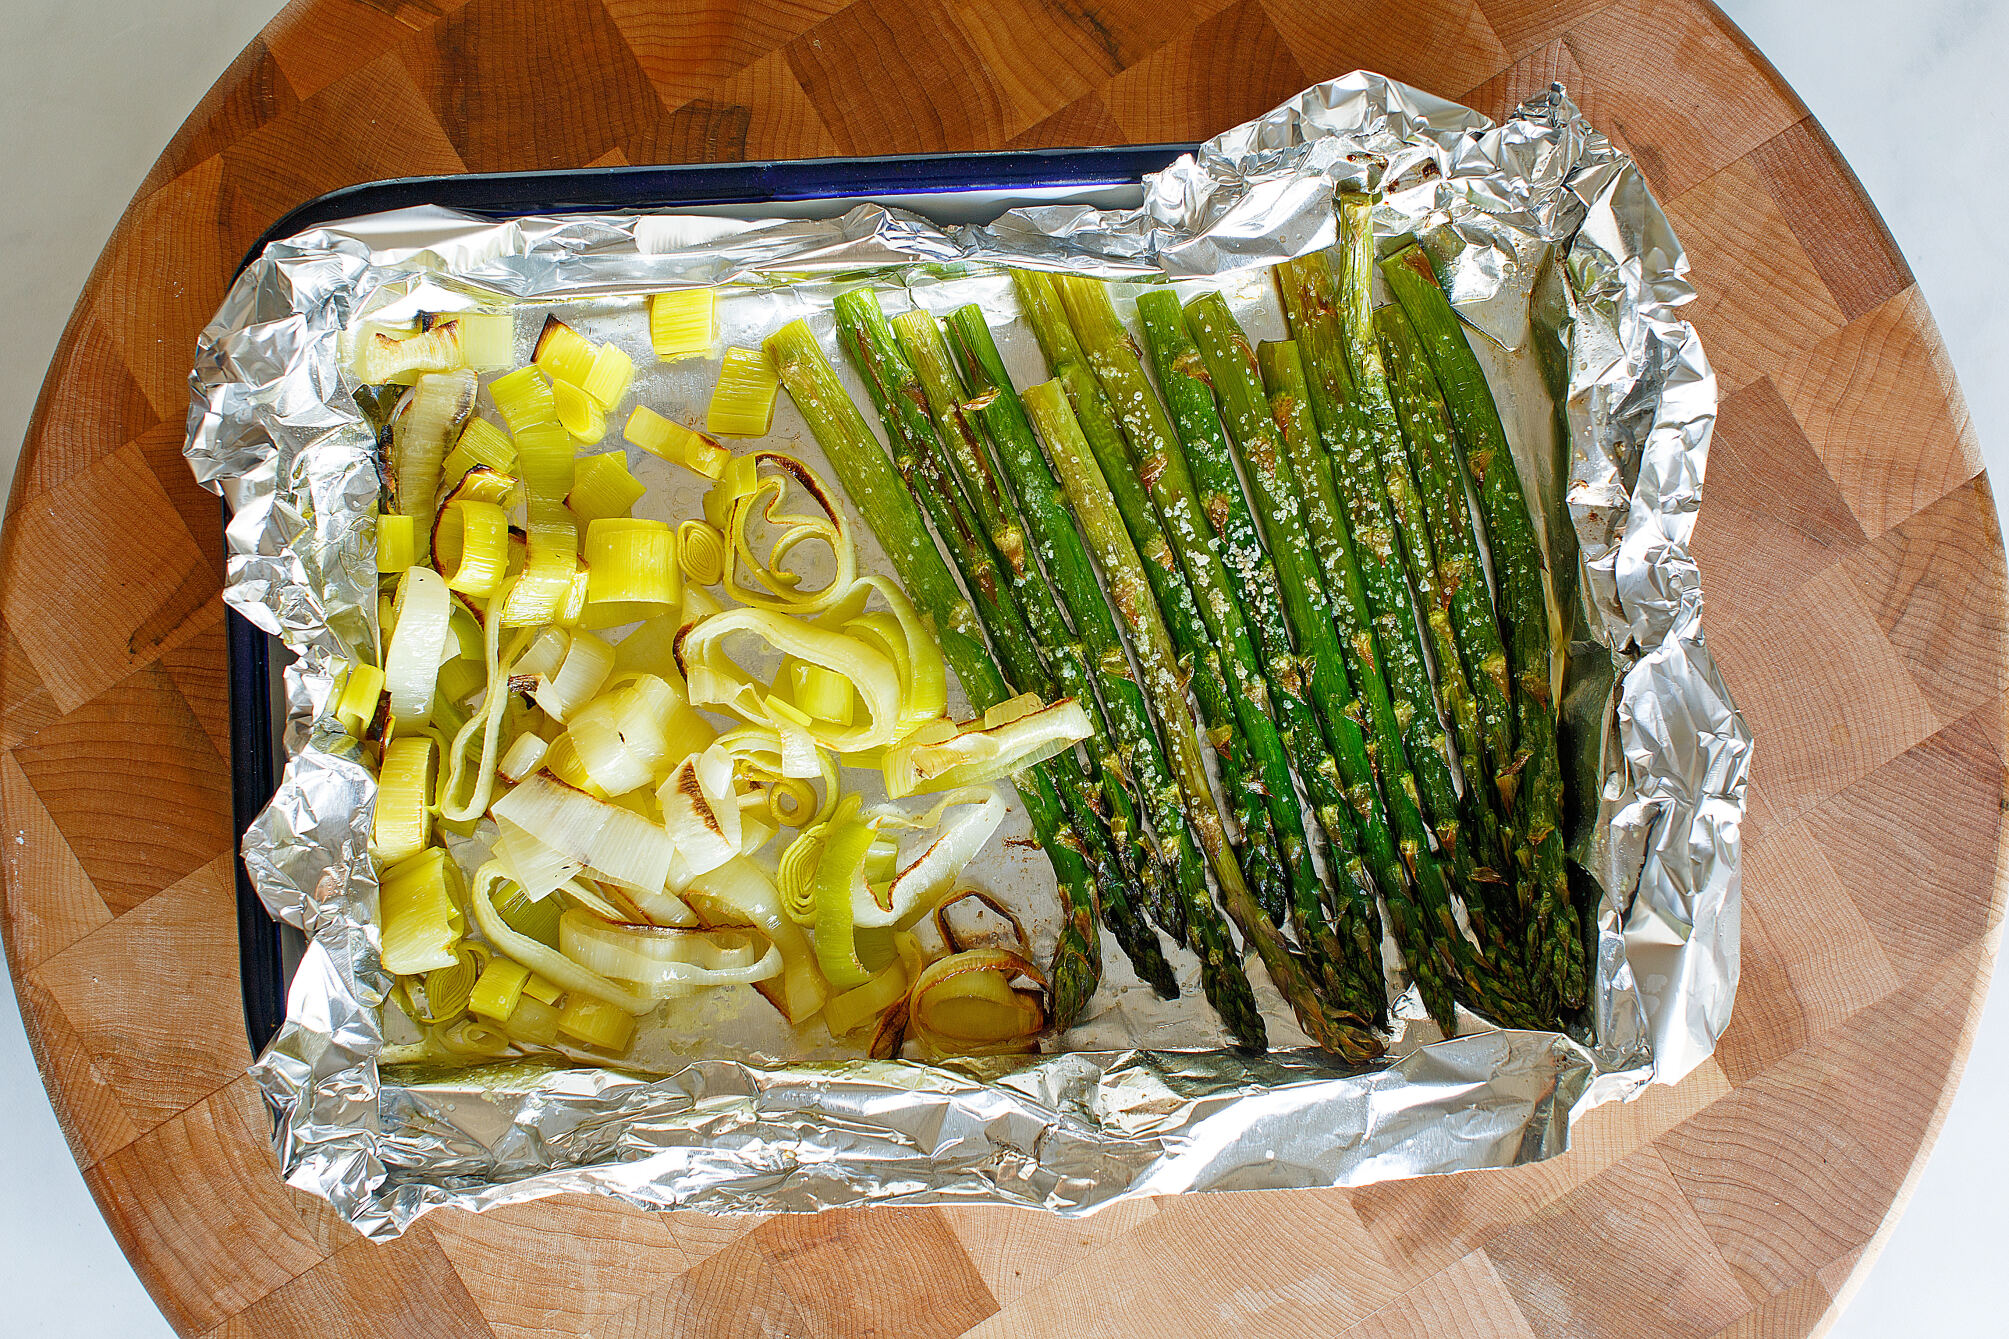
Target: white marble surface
point(91, 91)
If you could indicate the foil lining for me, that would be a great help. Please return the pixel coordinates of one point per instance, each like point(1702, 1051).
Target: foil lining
point(1553, 249)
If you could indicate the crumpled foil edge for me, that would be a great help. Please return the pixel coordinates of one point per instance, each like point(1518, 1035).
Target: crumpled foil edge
point(271, 429)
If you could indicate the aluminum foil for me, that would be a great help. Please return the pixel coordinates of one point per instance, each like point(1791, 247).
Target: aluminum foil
point(1553, 249)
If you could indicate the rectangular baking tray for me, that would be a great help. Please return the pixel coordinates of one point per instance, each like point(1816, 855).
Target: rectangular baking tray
point(949, 188)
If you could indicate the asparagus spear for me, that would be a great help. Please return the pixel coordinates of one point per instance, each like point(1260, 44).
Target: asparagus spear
point(1235, 750)
point(1365, 570)
point(1033, 506)
point(1376, 405)
point(1466, 605)
point(1554, 930)
point(1059, 649)
point(1034, 497)
point(1182, 376)
point(918, 455)
point(889, 509)
point(1103, 523)
point(1276, 479)
point(1432, 961)
point(1158, 462)
point(1467, 825)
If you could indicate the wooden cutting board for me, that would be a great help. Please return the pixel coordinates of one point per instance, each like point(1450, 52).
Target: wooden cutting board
point(1856, 603)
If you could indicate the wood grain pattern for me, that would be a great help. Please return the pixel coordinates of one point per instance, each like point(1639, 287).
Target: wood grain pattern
point(1856, 592)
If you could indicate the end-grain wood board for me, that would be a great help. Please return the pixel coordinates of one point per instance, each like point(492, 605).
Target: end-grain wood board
point(1850, 556)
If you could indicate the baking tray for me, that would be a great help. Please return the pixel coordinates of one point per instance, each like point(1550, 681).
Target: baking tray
point(970, 187)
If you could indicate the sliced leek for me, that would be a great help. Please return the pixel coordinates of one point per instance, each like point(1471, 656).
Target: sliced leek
point(382, 357)
point(497, 992)
point(470, 1037)
point(536, 917)
point(602, 487)
point(430, 415)
point(535, 869)
point(523, 398)
point(588, 661)
point(739, 892)
point(683, 323)
point(921, 884)
point(924, 681)
point(634, 572)
point(664, 908)
point(563, 353)
point(716, 679)
point(743, 400)
point(665, 962)
point(418, 642)
point(623, 739)
point(608, 379)
point(671, 441)
point(397, 547)
point(821, 694)
point(447, 988)
point(901, 633)
point(545, 440)
point(762, 755)
point(487, 722)
point(534, 1022)
point(616, 844)
point(965, 1004)
point(854, 1009)
point(481, 443)
point(578, 413)
point(838, 876)
point(546, 961)
point(701, 552)
point(1011, 736)
point(355, 697)
point(550, 564)
point(403, 824)
point(752, 492)
point(701, 814)
point(477, 537)
point(596, 1023)
point(572, 605)
point(796, 873)
point(562, 761)
point(541, 656)
point(418, 913)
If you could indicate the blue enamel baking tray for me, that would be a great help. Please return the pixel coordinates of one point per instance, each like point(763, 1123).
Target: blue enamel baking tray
point(972, 187)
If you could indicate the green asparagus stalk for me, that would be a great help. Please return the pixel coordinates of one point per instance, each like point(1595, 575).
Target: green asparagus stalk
point(1157, 461)
point(1032, 499)
point(1371, 710)
point(1130, 588)
point(1059, 649)
point(1376, 405)
point(1267, 462)
point(922, 462)
point(889, 509)
point(1241, 777)
point(1372, 604)
point(1466, 603)
point(1182, 375)
point(1049, 534)
point(1467, 824)
point(1554, 931)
